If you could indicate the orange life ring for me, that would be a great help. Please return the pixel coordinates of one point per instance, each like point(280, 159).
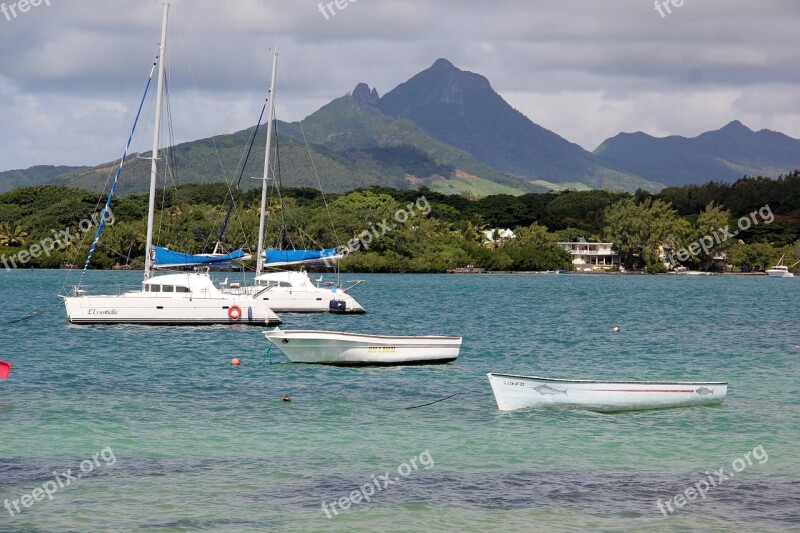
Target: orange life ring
point(234, 312)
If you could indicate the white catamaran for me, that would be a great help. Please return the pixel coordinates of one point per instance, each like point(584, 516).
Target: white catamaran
point(283, 290)
point(781, 271)
point(186, 298)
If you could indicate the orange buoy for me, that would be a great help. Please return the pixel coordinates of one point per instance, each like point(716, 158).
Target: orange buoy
point(235, 361)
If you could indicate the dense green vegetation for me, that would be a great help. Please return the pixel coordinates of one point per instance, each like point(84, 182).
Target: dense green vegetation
point(416, 230)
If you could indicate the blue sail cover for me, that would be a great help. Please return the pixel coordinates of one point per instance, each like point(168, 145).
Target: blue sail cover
point(292, 257)
point(167, 258)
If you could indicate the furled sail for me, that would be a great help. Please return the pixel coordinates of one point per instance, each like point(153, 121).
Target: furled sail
point(165, 258)
point(294, 257)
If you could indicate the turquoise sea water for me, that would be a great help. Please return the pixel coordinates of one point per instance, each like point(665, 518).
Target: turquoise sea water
point(200, 445)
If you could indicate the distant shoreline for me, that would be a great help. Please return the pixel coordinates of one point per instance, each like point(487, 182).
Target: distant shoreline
point(487, 272)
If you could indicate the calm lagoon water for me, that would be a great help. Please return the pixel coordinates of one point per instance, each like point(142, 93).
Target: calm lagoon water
point(199, 445)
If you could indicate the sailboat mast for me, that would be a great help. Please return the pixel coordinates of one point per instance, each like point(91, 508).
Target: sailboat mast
point(151, 207)
point(270, 118)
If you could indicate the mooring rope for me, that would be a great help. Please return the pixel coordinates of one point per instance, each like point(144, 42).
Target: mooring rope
point(34, 315)
point(465, 389)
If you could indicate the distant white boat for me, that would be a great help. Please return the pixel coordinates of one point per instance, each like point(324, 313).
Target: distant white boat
point(681, 270)
point(340, 348)
point(518, 392)
point(780, 271)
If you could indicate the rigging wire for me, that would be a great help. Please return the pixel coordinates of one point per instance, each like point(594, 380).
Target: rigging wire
point(106, 208)
point(316, 174)
point(241, 174)
point(102, 221)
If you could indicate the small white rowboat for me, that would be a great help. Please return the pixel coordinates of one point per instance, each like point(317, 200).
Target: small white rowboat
point(340, 348)
point(518, 392)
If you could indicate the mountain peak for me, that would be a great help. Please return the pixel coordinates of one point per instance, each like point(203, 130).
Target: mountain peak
point(441, 83)
point(363, 95)
point(735, 126)
point(443, 64)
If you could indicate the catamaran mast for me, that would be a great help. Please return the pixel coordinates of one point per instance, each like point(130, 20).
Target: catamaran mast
point(151, 209)
point(270, 118)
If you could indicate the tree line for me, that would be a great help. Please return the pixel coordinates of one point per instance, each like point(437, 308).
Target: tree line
point(648, 230)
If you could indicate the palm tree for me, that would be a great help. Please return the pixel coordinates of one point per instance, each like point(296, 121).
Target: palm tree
point(5, 231)
point(12, 235)
point(472, 230)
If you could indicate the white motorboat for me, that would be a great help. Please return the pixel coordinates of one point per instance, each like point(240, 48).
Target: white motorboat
point(180, 299)
point(355, 349)
point(517, 392)
point(780, 271)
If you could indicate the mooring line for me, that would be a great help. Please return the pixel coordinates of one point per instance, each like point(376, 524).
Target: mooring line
point(448, 397)
point(34, 315)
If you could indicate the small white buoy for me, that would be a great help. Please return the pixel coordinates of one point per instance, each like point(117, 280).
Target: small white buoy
point(615, 330)
point(287, 398)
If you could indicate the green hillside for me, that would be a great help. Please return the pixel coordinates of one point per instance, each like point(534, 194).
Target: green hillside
point(351, 145)
point(38, 175)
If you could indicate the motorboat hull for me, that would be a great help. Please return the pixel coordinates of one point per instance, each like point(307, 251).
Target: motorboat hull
point(352, 349)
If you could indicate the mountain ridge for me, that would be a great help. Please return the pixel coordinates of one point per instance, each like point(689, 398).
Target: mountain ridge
point(461, 108)
point(449, 130)
point(723, 155)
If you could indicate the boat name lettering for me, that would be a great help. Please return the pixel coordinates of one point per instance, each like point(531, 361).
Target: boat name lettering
point(381, 349)
point(103, 312)
point(514, 383)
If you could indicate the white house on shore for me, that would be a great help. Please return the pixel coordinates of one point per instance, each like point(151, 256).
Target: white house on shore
point(591, 256)
point(497, 237)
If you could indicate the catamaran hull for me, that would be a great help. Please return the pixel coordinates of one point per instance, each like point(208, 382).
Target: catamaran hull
point(779, 274)
point(518, 392)
point(352, 349)
point(294, 292)
point(299, 302)
point(146, 310)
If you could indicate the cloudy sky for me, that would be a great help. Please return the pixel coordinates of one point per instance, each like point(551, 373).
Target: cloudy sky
point(71, 72)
